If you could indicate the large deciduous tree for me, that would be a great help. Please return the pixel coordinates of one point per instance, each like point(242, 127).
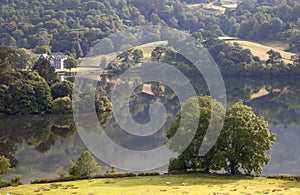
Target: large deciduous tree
point(190, 158)
point(244, 140)
point(241, 145)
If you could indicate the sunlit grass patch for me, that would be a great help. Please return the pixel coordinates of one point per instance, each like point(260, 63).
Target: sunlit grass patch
point(195, 184)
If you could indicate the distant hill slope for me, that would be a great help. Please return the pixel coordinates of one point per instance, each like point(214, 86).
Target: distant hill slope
point(260, 50)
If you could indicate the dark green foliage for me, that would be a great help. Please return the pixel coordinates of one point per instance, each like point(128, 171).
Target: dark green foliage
point(5, 166)
point(274, 57)
point(157, 53)
point(42, 50)
point(244, 140)
point(285, 177)
point(54, 180)
point(148, 174)
point(261, 20)
point(62, 89)
point(7, 57)
point(137, 55)
point(189, 159)
point(85, 165)
point(70, 63)
point(68, 26)
point(61, 105)
point(23, 92)
point(45, 70)
point(294, 41)
point(241, 145)
point(16, 180)
point(4, 184)
point(74, 178)
point(24, 59)
point(61, 172)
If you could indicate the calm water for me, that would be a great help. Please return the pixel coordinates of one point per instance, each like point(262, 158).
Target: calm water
point(38, 145)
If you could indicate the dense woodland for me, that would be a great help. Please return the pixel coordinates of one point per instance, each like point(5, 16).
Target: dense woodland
point(74, 26)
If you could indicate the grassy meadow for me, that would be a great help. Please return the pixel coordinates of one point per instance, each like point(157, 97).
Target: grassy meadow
point(211, 7)
point(260, 50)
point(194, 184)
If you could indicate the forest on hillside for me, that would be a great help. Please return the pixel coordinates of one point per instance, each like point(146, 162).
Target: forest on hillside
point(73, 26)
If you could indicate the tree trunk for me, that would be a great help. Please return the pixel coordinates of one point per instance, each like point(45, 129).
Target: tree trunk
point(206, 170)
point(232, 169)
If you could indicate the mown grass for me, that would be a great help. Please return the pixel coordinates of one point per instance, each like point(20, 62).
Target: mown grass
point(260, 50)
point(196, 184)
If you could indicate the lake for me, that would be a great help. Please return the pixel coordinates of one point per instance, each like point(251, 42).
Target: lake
point(38, 145)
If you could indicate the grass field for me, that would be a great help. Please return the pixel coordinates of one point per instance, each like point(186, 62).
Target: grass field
point(195, 184)
point(215, 8)
point(260, 50)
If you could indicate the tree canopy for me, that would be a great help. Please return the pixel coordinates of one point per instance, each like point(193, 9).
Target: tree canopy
point(23, 92)
point(4, 166)
point(241, 145)
point(45, 70)
point(85, 165)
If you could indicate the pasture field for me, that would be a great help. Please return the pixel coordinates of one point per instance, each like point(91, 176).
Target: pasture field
point(260, 50)
point(180, 184)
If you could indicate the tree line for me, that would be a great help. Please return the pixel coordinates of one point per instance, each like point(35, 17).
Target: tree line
point(37, 90)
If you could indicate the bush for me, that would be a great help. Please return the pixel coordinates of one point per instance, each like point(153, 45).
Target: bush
point(4, 184)
point(61, 89)
point(112, 169)
point(5, 166)
point(85, 165)
point(53, 180)
point(61, 106)
point(16, 180)
point(61, 172)
point(75, 178)
point(148, 174)
point(285, 177)
point(115, 175)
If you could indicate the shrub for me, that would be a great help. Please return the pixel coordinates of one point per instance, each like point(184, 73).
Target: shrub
point(85, 165)
point(285, 177)
point(61, 172)
point(61, 106)
point(112, 169)
point(53, 180)
point(61, 89)
point(148, 174)
point(4, 184)
point(16, 180)
point(5, 166)
point(115, 175)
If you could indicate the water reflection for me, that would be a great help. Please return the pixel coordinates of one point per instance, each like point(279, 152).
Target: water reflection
point(38, 145)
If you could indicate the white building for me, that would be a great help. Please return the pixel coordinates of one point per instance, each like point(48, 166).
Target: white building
point(57, 61)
